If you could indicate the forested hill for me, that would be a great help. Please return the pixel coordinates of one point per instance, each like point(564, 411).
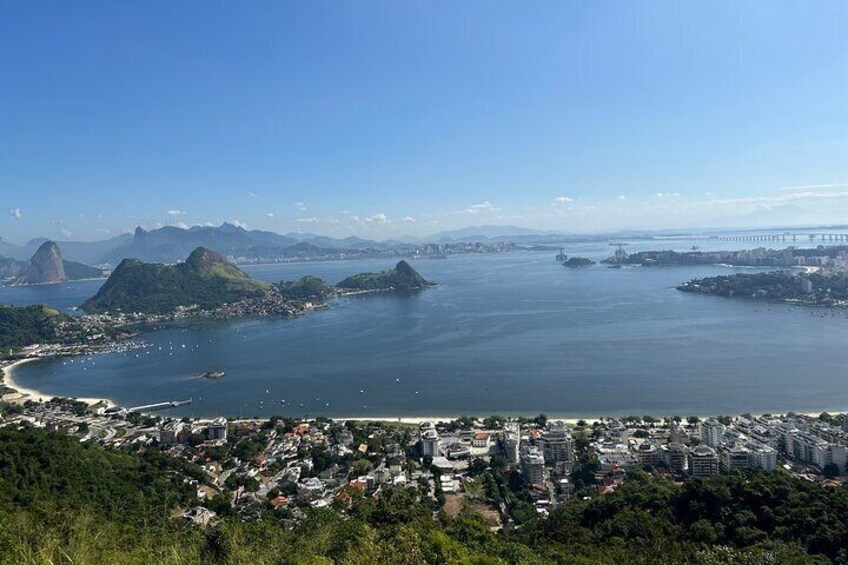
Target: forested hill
point(24, 325)
point(205, 279)
point(402, 278)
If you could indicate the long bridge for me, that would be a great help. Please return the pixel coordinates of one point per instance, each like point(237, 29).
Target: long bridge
point(793, 237)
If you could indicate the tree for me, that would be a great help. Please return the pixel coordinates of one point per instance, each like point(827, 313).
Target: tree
point(830, 470)
point(541, 421)
point(477, 467)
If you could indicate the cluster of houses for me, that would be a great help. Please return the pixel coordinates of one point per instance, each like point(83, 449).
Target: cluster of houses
point(258, 466)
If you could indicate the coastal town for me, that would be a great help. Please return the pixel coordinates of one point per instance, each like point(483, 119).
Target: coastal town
point(503, 469)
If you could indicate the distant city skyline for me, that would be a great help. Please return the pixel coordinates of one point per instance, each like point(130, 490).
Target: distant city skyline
point(387, 120)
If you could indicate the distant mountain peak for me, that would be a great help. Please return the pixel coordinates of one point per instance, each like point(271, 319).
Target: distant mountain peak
point(46, 266)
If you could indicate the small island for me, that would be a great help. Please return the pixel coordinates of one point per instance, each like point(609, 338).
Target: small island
point(574, 262)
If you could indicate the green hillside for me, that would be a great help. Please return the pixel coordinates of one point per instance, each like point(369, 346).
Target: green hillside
point(24, 325)
point(305, 288)
point(402, 278)
point(205, 279)
point(77, 271)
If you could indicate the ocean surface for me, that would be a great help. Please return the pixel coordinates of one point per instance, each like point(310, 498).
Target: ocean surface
point(503, 334)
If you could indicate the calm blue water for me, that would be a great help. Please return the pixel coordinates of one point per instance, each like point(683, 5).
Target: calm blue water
point(506, 334)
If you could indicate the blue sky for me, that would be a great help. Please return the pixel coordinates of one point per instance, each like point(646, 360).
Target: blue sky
point(388, 118)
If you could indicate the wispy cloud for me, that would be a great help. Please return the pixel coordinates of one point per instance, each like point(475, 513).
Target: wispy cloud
point(269, 215)
point(408, 220)
point(239, 224)
point(66, 232)
point(563, 200)
point(16, 213)
point(308, 220)
point(177, 212)
point(300, 206)
point(252, 194)
point(815, 186)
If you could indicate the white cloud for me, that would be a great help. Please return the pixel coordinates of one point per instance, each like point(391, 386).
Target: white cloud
point(252, 194)
point(300, 206)
point(181, 225)
point(16, 213)
point(408, 219)
point(562, 200)
point(239, 224)
point(378, 218)
point(66, 232)
point(270, 214)
point(667, 194)
point(308, 220)
point(483, 207)
point(622, 197)
point(177, 212)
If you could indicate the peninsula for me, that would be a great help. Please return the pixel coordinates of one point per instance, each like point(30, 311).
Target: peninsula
point(403, 278)
point(821, 289)
point(205, 280)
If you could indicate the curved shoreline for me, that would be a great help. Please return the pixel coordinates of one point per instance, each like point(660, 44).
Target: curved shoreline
point(22, 394)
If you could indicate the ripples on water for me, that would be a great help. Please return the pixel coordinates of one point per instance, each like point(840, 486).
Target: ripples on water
point(507, 334)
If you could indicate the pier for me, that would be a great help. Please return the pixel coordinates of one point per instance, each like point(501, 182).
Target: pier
point(159, 406)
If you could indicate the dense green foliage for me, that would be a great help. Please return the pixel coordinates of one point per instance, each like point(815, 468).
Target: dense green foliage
point(205, 279)
point(402, 278)
point(305, 288)
point(77, 271)
point(63, 502)
point(24, 325)
point(778, 285)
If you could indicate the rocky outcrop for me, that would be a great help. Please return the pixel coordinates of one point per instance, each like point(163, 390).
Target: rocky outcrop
point(46, 265)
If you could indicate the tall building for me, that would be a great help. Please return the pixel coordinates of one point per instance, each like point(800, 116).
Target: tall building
point(703, 461)
point(711, 432)
point(557, 444)
point(675, 456)
point(734, 458)
point(429, 440)
point(533, 465)
point(218, 429)
point(511, 442)
point(762, 456)
point(168, 433)
point(649, 454)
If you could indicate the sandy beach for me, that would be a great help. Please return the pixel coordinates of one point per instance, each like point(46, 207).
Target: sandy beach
point(22, 394)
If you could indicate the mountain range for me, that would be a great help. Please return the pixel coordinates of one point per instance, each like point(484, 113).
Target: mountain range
point(172, 244)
